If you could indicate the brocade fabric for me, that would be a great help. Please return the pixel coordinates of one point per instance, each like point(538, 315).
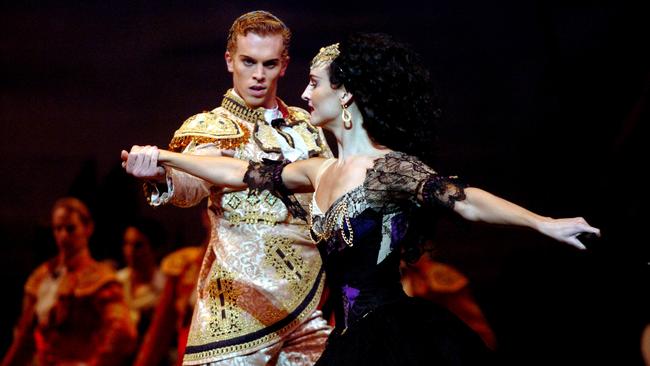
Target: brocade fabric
point(261, 276)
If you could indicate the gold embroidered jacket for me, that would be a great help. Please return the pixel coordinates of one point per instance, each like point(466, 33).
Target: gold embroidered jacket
point(261, 275)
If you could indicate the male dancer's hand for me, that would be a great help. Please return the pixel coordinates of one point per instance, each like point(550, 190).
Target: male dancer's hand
point(142, 162)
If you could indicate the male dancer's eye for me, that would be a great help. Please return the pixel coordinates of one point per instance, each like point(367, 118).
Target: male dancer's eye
point(271, 64)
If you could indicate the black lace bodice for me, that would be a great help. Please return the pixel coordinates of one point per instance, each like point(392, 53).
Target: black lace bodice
point(361, 233)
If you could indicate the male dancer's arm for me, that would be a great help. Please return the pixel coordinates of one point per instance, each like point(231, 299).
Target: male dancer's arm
point(22, 348)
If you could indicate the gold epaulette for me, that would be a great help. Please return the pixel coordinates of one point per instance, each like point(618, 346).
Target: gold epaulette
point(86, 281)
point(91, 278)
point(209, 127)
point(297, 115)
point(175, 263)
point(36, 277)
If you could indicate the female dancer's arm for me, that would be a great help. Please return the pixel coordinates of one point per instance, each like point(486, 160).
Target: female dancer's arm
point(221, 170)
point(480, 205)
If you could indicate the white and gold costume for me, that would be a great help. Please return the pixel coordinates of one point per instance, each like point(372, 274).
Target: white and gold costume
point(261, 278)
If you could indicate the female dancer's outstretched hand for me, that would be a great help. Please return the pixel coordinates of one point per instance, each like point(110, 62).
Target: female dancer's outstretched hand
point(567, 230)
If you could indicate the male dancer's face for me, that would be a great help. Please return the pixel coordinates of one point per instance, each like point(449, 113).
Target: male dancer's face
point(70, 233)
point(256, 66)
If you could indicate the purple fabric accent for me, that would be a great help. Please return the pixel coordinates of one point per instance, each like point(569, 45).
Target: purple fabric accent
point(349, 295)
point(398, 227)
point(361, 226)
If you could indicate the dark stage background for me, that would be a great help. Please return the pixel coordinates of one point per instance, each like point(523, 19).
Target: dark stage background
point(544, 103)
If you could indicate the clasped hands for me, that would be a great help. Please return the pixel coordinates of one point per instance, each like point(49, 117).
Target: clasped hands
point(142, 162)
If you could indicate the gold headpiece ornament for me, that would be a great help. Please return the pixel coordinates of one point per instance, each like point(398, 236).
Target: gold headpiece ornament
point(325, 56)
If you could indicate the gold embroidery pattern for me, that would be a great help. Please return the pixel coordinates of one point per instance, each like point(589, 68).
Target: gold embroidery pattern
point(310, 138)
point(262, 314)
point(297, 115)
point(209, 127)
point(251, 208)
point(263, 134)
point(251, 217)
point(226, 320)
point(270, 199)
point(234, 202)
point(216, 354)
point(266, 138)
point(281, 254)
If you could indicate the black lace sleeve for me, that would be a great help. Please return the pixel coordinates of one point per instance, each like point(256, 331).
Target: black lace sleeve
point(398, 177)
point(443, 190)
point(267, 175)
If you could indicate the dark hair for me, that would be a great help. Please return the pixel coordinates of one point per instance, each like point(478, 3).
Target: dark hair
point(152, 229)
point(394, 92)
point(392, 89)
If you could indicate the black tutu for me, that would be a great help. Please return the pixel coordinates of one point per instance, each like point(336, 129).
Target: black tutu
point(407, 332)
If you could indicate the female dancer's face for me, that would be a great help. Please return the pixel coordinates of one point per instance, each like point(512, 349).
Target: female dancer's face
point(136, 247)
point(324, 101)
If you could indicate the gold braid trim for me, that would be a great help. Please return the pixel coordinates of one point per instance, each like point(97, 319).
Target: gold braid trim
point(296, 118)
point(237, 106)
point(179, 144)
point(263, 133)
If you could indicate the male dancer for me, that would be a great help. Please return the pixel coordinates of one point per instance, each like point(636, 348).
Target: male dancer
point(261, 278)
point(74, 311)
